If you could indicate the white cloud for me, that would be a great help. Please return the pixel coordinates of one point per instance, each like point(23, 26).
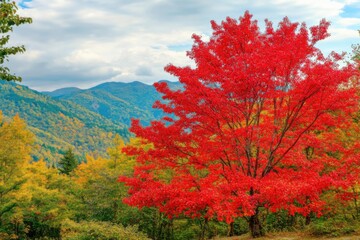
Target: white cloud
point(340, 34)
point(349, 22)
point(86, 42)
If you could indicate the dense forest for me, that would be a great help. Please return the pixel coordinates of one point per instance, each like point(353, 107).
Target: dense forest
point(261, 136)
point(40, 201)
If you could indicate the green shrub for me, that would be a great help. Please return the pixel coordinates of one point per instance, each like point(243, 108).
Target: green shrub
point(333, 227)
point(241, 226)
point(71, 230)
point(281, 221)
point(186, 229)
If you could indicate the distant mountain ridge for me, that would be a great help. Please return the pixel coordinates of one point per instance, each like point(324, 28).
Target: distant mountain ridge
point(62, 91)
point(118, 101)
point(83, 119)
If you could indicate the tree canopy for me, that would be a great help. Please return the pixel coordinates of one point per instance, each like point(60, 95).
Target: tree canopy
point(8, 19)
point(252, 128)
point(15, 147)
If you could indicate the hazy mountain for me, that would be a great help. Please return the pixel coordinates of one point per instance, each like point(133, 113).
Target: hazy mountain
point(62, 91)
point(59, 124)
point(118, 101)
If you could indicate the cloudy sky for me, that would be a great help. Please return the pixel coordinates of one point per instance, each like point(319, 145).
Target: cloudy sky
point(86, 42)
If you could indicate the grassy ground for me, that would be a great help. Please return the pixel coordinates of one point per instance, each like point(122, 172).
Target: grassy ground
point(291, 236)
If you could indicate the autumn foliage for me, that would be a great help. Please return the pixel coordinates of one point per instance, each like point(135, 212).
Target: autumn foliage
point(253, 127)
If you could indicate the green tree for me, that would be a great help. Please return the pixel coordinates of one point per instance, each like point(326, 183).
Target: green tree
point(9, 19)
point(68, 162)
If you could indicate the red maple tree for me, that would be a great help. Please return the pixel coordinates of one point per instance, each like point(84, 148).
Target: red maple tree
point(251, 128)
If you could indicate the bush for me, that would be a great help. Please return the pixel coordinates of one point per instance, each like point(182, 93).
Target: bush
point(333, 227)
point(186, 229)
point(241, 226)
point(191, 229)
point(282, 221)
point(71, 230)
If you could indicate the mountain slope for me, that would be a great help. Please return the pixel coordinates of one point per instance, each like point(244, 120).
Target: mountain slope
point(58, 124)
point(120, 102)
point(110, 106)
point(62, 91)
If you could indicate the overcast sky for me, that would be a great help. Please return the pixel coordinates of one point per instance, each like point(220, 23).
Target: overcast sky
point(83, 43)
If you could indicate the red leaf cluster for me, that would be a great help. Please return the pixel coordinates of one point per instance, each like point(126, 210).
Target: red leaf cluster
point(252, 126)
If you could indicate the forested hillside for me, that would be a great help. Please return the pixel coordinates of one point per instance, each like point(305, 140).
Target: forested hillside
point(117, 101)
point(85, 120)
point(58, 124)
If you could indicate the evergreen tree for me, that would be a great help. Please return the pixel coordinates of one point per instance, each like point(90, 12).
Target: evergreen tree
point(68, 163)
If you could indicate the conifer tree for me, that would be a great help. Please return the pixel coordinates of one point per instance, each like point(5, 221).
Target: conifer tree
point(68, 162)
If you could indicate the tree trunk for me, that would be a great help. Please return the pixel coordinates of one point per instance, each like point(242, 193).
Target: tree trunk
point(231, 229)
point(355, 202)
point(203, 228)
point(255, 225)
point(308, 219)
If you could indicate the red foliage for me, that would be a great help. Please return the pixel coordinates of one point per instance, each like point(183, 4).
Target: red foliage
point(252, 127)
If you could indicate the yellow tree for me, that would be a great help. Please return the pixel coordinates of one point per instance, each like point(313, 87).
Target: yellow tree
point(44, 201)
point(101, 193)
point(15, 148)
